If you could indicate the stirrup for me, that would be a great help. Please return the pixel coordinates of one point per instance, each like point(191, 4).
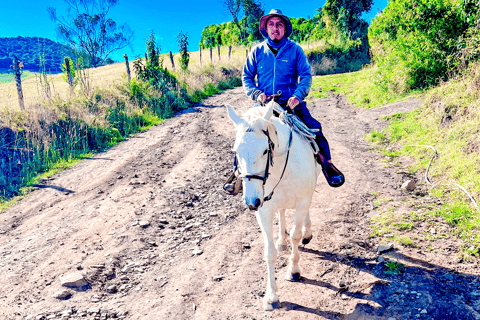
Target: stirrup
point(233, 185)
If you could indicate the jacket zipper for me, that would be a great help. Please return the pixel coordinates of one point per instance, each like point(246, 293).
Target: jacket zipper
point(274, 72)
point(275, 67)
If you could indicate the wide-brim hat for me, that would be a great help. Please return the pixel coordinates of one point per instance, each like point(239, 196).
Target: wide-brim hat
point(275, 13)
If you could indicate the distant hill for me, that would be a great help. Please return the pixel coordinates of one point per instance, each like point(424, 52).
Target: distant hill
point(29, 49)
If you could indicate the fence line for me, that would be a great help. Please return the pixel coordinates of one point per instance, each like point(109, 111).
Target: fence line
point(17, 65)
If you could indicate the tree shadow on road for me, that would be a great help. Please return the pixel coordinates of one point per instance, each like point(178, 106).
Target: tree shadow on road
point(419, 291)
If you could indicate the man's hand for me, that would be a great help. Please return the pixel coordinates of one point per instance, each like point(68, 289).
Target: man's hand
point(292, 102)
point(262, 98)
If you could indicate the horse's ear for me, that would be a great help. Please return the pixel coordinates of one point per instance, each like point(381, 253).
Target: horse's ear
point(268, 113)
point(234, 116)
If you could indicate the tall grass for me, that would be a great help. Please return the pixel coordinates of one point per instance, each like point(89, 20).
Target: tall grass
point(52, 133)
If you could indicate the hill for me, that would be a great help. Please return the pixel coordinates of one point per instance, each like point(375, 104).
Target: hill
point(30, 49)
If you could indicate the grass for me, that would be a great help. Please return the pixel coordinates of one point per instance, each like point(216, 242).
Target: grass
point(392, 267)
point(359, 87)
point(449, 121)
point(10, 77)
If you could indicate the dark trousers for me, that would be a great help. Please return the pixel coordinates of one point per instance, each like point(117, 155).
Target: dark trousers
point(301, 111)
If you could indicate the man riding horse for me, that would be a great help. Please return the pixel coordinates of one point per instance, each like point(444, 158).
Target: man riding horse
point(283, 73)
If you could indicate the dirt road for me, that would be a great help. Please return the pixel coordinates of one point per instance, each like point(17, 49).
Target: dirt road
point(148, 227)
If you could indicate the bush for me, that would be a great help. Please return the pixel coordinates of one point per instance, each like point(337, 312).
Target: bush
point(413, 42)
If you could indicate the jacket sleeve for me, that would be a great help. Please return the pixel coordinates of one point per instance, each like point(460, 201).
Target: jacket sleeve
point(248, 77)
point(304, 74)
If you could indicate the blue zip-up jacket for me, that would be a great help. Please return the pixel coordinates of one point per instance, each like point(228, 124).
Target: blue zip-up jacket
point(289, 72)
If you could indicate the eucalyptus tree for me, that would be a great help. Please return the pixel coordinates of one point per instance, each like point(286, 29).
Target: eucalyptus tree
point(87, 28)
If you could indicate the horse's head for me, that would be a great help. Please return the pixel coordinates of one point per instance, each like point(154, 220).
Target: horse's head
point(253, 147)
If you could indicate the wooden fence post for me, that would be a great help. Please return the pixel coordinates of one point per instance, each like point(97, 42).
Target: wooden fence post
point(229, 52)
point(211, 56)
point(200, 55)
point(17, 65)
point(69, 74)
point(128, 67)
point(171, 59)
point(219, 53)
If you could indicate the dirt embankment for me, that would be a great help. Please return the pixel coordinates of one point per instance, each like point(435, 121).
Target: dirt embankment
point(148, 227)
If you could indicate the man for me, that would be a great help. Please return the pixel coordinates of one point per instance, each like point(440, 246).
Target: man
point(281, 65)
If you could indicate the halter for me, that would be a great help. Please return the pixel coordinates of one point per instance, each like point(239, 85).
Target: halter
point(269, 152)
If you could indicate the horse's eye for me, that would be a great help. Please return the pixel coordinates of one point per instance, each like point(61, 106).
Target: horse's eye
point(265, 152)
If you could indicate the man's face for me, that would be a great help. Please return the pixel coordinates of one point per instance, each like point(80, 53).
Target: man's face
point(276, 28)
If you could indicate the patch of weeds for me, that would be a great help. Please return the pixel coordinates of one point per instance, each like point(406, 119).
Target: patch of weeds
point(376, 137)
point(375, 232)
point(392, 267)
point(380, 202)
point(405, 240)
point(391, 153)
point(403, 225)
point(399, 116)
point(318, 94)
point(373, 194)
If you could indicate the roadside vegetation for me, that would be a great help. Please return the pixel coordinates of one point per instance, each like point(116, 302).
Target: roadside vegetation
point(430, 50)
point(59, 130)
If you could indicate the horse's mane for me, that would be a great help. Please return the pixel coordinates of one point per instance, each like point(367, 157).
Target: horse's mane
point(254, 119)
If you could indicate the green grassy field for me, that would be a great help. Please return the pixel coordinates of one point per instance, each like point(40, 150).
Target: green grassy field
point(9, 77)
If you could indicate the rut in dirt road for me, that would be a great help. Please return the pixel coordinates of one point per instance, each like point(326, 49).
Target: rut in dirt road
point(147, 225)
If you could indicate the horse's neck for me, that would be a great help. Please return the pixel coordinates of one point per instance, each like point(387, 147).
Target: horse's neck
point(283, 137)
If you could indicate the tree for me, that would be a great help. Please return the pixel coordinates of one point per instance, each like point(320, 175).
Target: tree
point(235, 7)
point(182, 39)
point(346, 14)
point(253, 12)
point(87, 28)
point(248, 24)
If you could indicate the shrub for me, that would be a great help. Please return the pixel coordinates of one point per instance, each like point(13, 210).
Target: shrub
point(412, 42)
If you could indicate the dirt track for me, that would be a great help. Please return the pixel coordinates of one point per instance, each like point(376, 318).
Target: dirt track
point(149, 217)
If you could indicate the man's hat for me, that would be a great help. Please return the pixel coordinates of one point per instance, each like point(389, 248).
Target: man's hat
point(275, 13)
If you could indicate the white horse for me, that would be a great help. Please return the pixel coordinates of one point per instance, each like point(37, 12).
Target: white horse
point(261, 140)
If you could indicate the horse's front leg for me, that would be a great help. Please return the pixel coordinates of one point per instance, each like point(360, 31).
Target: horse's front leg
point(281, 244)
point(265, 220)
point(307, 230)
point(301, 210)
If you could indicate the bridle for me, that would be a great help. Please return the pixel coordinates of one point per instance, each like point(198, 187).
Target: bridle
point(269, 152)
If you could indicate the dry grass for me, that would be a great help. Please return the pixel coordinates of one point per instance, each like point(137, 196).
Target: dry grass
point(107, 76)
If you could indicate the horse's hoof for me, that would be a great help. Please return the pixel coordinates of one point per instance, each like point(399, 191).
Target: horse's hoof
point(306, 241)
point(271, 306)
point(294, 277)
point(281, 247)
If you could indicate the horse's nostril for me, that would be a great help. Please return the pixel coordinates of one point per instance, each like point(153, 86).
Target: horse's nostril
point(257, 202)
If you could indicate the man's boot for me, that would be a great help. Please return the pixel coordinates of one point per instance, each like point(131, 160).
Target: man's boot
point(334, 177)
point(233, 185)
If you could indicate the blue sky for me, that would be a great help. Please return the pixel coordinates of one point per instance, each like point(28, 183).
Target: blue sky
point(167, 18)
